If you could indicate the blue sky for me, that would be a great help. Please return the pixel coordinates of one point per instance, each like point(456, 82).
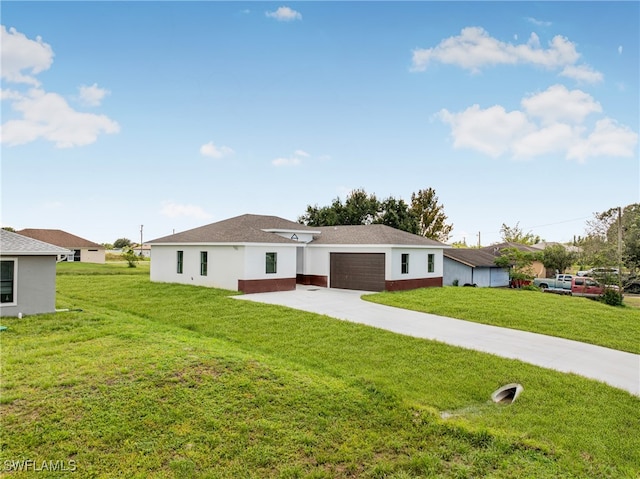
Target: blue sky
point(173, 115)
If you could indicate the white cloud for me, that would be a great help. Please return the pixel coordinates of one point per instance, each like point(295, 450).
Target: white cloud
point(551, 122)
point(48, 116)
point(212, 151)
point(284, 14)
point(607, 139)
point(293, 160)
point(620, 50)
point(39, 114)
point(556, 138)
point(175, 210)
point(489, 131)
point(475, 49)
point(538, 23)
point(92, 95)
point(582, 73)
point(557, 104)
point(18, 53)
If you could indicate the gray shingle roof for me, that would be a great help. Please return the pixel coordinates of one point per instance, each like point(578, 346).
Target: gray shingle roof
point(371, 234)
point(496, 249)
point(240, 229)
point(471, 257)
point(251, 229)
point(16, 244)
point(59, 238)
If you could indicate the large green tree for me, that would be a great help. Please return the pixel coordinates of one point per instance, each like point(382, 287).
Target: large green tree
point(600, 246)
point(397, 214)
point(430, 215)
point(424, 216)
point(558, 257)
point(515, 234)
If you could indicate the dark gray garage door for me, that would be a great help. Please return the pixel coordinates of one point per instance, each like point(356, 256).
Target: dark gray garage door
point(364, 271)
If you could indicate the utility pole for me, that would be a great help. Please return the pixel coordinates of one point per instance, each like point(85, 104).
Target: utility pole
point(141, 226)
point(479, 240)
point(620, 249)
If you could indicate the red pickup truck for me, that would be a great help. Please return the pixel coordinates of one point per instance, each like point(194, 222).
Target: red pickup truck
point(587, 287)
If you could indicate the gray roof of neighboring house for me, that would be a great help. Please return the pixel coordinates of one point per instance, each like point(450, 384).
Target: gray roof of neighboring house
point(59, 238)
point(471, 257)
point(544, 245)
point(240, 229)
point(371, 234)
point(17, 244)
point(259, 229)
point(496, 249)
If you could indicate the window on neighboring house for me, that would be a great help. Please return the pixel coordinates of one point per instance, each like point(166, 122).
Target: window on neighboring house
point(203, 263)
point(180, 261)
point(272, 263)
point(76, 255)
point(7, 283)
point(405, 263)
point(431, 263)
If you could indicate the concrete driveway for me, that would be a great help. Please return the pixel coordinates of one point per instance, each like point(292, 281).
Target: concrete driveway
point(616, 368)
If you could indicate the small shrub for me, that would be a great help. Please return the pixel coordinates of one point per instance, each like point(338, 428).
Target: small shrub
point(130, 257)
point(530, 287)
point(455, 282)
point(612, 297)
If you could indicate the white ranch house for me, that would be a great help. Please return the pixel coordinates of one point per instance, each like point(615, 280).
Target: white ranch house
point(254, 253)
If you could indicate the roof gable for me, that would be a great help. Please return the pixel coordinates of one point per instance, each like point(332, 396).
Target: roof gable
point(240, 229)
point(17, 244)
point(377, 234)
point(59, 238)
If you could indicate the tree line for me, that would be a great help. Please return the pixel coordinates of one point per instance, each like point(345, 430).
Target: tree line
point(423, 215)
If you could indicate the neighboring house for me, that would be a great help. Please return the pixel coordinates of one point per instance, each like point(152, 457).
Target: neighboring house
point(28, 279)
point(144, 250)
point(544, 245)
point(473, 266)
point(537, 268)
point(254, 253)
point(84, 250)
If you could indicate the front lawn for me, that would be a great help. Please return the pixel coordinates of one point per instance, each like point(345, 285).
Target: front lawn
point(567, 317)
point(161, 380)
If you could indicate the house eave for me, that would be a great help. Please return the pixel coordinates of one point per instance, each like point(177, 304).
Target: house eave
point(229, 243)
point(36, 253)
point(374, 245)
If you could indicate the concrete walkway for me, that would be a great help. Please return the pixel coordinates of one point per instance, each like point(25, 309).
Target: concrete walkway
point(616, 368)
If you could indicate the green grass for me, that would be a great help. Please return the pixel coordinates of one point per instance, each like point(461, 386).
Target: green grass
point(159, 380)
point(568, 317)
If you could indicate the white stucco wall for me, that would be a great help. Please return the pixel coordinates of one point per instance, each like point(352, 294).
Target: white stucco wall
point(418, 258)
point(226, 264)
point(255, 262)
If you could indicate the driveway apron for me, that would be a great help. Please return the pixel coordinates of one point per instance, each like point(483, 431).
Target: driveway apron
point(616, 368)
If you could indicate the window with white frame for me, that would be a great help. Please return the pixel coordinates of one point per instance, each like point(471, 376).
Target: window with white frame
point(271, 263)
point(431, 262)
point(405, 263)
